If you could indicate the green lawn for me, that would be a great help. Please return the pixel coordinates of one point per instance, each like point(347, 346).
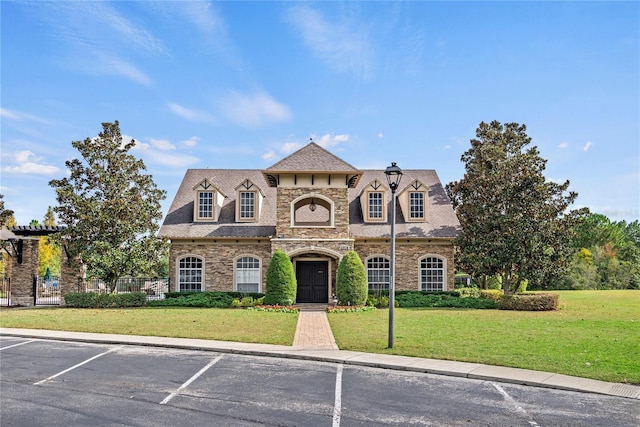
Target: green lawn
point(595, 334)
point(203, 323)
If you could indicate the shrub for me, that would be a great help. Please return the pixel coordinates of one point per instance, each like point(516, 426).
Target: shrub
point(351, 280)
point(492, 294)
point(195, 299)
point(350, 309)
point(281, 281)
point(529, 302)
point(469, 292)
point(441, 299)
point(98, 300)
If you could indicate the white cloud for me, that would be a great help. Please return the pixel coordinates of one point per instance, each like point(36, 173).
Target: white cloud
point(563, 145)
point(380, 135)
point(447, 147)
point(191, 142)
point(162, 144)
point(19, 116)
point(328, 140)
point(290, 147)
point(190, 114)
point(587, 146)
point(269, 155)
point(254, 110)
point(26, 162)
point(344, 46)
point(172, 159)
point(119, 67)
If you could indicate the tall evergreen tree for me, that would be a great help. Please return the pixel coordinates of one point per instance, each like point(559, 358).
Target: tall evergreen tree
point(515, 222)
point(110, 207)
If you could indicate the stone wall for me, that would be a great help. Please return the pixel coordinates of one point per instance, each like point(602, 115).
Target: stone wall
point(23, 274)
point(218, 260)
point(340, 198)
point(408, 255)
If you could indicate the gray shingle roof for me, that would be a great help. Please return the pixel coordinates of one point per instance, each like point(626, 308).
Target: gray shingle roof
point(441, 219)
point(312, 158)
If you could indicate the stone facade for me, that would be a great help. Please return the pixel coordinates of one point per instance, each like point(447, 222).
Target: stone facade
point(23, 274)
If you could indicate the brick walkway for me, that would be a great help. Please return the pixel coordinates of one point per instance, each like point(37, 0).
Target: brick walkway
point(313, 331)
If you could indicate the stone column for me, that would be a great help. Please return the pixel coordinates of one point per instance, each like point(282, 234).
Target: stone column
point(24, 270)
point(71, 272)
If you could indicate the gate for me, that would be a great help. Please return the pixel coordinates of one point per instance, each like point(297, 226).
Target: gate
point(5, 292)
point(46, 291)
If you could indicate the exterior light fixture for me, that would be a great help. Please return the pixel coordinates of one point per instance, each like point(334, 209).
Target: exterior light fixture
point(312, 205)
point(394, 175)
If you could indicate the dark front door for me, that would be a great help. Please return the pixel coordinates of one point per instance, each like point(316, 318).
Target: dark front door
point(313, 283)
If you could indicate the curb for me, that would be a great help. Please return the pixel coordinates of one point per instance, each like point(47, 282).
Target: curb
point(385, 361)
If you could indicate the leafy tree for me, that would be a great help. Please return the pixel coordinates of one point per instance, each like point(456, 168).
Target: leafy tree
point(49, 218)
point(351, 280)
point(5, 214)
point(34, 223)
point(281, 284)
point(110, 207)
point(49, 253)
point(515, 222)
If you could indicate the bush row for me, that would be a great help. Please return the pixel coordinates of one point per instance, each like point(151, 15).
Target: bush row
point(529, 302)
point(98, 300)
point(206, 299)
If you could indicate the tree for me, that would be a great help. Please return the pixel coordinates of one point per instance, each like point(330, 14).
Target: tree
point(5, 214)
point(515, 223)
point(110, 207)
point(49, 254)
point(351, 280)
point(281, 280)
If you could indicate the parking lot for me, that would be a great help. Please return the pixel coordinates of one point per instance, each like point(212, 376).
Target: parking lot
point(46, 382)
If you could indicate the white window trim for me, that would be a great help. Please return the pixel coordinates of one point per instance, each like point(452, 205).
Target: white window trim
point(366, 265)
point(180, 258)
point(444, 271)
point(235, 268)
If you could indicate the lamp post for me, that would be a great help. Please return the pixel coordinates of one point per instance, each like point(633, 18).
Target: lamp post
point(394, 175)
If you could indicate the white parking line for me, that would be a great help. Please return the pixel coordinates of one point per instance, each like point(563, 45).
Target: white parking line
point(517, 406)
point(337, 404)
point(15, 345)
point(78, 365)
point(190, 380)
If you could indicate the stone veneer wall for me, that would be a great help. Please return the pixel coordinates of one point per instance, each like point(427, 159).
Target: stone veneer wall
point(407, 259)
point(71, 272)
point(340, 198)
point(22, 275)
point(218, 260)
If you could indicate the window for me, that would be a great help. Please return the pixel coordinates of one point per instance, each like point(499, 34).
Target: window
point(205, 204)
point(378, 274)
point(247, 205)
point(375, 205)
point(248, 274)
point(416, 205)
point(190, 274)
point(431, 274)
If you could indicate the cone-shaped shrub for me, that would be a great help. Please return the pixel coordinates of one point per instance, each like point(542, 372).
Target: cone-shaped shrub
point(351, 283)
point(281, 281)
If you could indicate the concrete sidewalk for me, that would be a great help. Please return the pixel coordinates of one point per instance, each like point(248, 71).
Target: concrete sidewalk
point(432, 366)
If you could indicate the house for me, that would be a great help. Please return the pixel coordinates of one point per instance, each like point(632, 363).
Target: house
point(225, 224)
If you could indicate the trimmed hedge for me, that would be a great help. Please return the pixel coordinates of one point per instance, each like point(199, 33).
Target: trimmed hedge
point(529, 302)
point(97, 300)
point(281, 286)
point(197, 299)
point(351, 280)
point(441, 299)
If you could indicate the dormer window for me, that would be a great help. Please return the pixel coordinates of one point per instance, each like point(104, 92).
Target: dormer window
point(247, 205)
point(372, 202)
point(208, 202)
point(205, 204)
point(416, 205)
point(413, 200)
point(248, 202)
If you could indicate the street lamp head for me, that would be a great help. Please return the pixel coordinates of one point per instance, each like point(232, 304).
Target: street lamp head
point(394, 175)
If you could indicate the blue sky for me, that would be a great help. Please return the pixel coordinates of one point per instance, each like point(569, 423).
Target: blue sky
point(243, 84)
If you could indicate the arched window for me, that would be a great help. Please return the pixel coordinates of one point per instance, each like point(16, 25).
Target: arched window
point(432, 277)
point(247, 277)
point(190, 274)
point(378, 273)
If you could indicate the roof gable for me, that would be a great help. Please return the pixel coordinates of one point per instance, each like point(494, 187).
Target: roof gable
point(312, 158)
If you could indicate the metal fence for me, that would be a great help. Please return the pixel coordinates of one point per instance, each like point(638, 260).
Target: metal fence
point(46, 291)
point(155, 288)
point(5, 292)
